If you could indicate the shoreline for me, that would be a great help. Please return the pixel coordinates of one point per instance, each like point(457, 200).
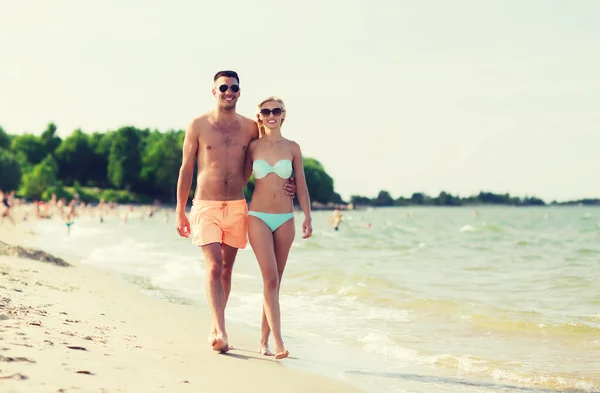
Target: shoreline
point(80, 328)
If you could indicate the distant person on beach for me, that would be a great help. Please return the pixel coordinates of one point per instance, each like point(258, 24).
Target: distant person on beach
point(271, 229)
point(217, 141)
point(69, 218)
point(337, 219)
point(5, 208)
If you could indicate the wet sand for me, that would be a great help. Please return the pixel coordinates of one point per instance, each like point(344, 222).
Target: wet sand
point(79, 329)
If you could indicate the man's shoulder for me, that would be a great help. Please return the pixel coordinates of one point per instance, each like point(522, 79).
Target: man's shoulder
point(199, 122)
point(249, 125)
point(202, 119)
point(245, 120)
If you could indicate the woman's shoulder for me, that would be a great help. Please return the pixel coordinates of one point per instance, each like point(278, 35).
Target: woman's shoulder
point(288, 143)
point(292, 145)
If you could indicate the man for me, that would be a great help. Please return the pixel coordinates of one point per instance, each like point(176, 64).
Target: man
point(218, 140)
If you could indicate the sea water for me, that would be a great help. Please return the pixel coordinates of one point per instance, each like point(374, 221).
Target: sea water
point(486, 299)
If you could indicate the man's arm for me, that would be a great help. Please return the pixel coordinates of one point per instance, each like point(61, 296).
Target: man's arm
point(186, 171)
point(303, 196)
point(248, 163)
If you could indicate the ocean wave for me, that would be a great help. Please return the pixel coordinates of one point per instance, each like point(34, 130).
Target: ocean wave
point(500, 381)
point(517, 373)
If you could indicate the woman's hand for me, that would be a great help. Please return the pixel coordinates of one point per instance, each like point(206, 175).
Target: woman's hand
point(307, 228)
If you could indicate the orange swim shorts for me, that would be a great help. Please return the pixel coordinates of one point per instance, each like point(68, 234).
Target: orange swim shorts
point(219, 222)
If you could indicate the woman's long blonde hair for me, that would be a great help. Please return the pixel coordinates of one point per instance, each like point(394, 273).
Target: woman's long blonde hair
point(261, 127)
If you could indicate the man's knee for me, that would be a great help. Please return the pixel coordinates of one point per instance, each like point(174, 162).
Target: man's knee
point(229, 255)
point(228, 266)
point(214, 261)
point(227, 272)
point(214, 270)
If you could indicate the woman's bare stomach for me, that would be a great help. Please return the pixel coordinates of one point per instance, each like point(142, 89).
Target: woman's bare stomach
point(271, 198)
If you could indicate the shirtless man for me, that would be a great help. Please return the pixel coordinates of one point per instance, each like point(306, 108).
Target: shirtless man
point(218, 141)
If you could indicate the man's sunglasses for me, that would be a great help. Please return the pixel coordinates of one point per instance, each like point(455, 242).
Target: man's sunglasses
point(234, 88)
point(274, 111)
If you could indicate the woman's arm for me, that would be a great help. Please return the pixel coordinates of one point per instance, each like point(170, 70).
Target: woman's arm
point(302, 189)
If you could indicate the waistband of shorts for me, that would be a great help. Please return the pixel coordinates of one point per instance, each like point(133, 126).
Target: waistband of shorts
point(235, 202)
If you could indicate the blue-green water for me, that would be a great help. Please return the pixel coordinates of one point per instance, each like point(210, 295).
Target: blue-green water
point(424, 300)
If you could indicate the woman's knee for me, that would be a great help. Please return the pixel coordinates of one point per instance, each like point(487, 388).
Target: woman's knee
point(271, 282)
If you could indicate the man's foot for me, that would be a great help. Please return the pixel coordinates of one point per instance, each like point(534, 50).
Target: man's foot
point(220, 344)
point(217, 343)
point(265, 351)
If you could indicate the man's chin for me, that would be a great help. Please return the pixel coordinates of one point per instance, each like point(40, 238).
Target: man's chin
point(227, 107)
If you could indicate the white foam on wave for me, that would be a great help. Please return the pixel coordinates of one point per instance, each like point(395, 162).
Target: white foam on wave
point(388, 314)
point(380, 343)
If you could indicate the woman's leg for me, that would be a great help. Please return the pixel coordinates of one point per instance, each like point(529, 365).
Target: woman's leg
point(261, 240)
point(283, 238)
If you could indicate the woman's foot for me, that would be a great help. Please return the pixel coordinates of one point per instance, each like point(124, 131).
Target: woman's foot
point(281, 352)
point(264, 350)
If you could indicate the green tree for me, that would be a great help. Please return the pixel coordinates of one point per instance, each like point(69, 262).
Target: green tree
point(49, 139)
point(446, 199)
point(358, 200)
point(97, 170)
point(418, 198)
point(249, 189)
point(10, 171)
point(384, 199)
point(124, 158)
point(337, 198)
point(31, 146)
point(40, 178)
point(160, 164)
point(4, 139)
point(74, 156)
point(320, 184)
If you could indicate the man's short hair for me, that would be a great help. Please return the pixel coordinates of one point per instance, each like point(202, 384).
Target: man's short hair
point(228, 74)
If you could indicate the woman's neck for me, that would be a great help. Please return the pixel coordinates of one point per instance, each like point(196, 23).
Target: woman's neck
point(272, 135)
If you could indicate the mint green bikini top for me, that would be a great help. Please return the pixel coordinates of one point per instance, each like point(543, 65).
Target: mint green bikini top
point(282, 168)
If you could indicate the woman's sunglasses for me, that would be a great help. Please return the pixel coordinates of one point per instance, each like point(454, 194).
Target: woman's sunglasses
point(234, 88)
point(274, 111)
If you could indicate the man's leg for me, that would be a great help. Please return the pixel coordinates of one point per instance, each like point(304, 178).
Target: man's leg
point(228, 254)
point(215, 295)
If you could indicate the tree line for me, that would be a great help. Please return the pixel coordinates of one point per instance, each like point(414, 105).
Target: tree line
point(141, 165)
point(124, 165)
point(446, 199)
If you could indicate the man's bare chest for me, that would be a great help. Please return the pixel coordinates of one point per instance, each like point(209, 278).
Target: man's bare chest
point(231, 139)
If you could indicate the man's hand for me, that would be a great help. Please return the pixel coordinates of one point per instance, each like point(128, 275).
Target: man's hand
point(182, 225)
point(290, 188)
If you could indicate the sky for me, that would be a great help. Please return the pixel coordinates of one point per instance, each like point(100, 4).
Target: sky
point(403, 96)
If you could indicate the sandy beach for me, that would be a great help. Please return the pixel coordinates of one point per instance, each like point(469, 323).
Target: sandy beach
point(80, 329)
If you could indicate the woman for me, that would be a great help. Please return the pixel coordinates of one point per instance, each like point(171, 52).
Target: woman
point(271, 227)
